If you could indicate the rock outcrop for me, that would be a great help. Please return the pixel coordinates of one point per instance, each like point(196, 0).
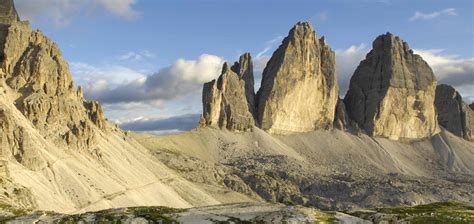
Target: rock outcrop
point(453, 113)
point(8, 12)
point(471, 106)
point(226, 101)
point(244, 68)
point(33, 67)
point(299, 91)
point(392, 92)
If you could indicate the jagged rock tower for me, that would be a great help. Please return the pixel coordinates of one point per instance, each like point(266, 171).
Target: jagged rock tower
point(35, 79)
point(228, 102)
point(299, 91)
point(392, 92)
point(453, 113)
point(8, 13)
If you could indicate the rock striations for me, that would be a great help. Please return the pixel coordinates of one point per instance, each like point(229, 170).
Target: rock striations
point(228, 101)
point(32, 66)
point(8, 13)
point(453, 113)
point(299, 91)
point(392, 92)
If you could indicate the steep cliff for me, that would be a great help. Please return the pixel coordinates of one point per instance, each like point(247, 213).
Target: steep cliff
point(299, 91)
point(453, 113)
point(392, 92)
point(228, 101)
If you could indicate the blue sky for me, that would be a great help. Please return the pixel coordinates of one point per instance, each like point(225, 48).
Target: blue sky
point(115, 47)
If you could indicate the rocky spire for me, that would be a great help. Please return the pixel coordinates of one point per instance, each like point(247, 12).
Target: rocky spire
point(299, 91)
point(32, 66)
point(392, 92)
point(244, 69)
point(228, 101)
point(8, 12)
point(453, 113)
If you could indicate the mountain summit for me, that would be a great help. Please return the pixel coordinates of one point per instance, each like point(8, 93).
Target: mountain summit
point(8, 12)
point(392, 92)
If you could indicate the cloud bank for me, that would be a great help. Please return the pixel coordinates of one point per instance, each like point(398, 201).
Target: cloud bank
point(182, 78)
point(171, 124)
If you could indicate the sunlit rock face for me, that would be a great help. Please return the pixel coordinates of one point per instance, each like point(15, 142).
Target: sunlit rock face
point(392, 92)
point(226, 101)
point(32, 66)
point(453, 113)
point(299, 91)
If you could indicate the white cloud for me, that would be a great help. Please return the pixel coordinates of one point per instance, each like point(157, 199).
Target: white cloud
point(428, 16)
point(61, 12)
point(452, 70)
point(182, 78)
point(113, 75)
point(136, 56)
point(347, 61)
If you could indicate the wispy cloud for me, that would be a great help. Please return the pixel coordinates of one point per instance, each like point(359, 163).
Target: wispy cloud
point(347, 61)
point(62, 12)
point(428, 16)
point(136, 56)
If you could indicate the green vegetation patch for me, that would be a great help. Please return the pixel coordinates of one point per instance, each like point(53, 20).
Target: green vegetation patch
point(440, 212)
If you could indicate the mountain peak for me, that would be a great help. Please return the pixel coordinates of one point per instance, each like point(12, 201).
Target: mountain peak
point(8, 12)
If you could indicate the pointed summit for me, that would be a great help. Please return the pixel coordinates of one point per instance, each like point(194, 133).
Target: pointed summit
point(391, 93)
point(228, 101)
point(299, 91)
point(8, 12)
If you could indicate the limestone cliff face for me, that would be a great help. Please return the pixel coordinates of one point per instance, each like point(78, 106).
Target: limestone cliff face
point(453, 113)
point(8, 13)
point(225, 102)
point(392, 92)
point(32, 66)
point(244, 68)
point(299, 91)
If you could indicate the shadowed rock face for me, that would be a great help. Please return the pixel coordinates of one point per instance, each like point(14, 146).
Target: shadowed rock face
point(225, 102)
point(8, 12)
point(244, 68)
point(453, 113)
point(299, 91)
point(471, 106)
point(392, 92)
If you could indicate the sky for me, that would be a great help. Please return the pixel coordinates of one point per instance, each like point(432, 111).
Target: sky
point(146, 60)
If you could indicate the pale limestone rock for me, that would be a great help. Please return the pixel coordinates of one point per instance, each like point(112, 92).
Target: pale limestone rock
point(32, 65)
point(225, 103)
point(392, 92)
point(341, 120)
point(8, 12)
point(244, 68)
point(299, 91)
point(453, 113)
